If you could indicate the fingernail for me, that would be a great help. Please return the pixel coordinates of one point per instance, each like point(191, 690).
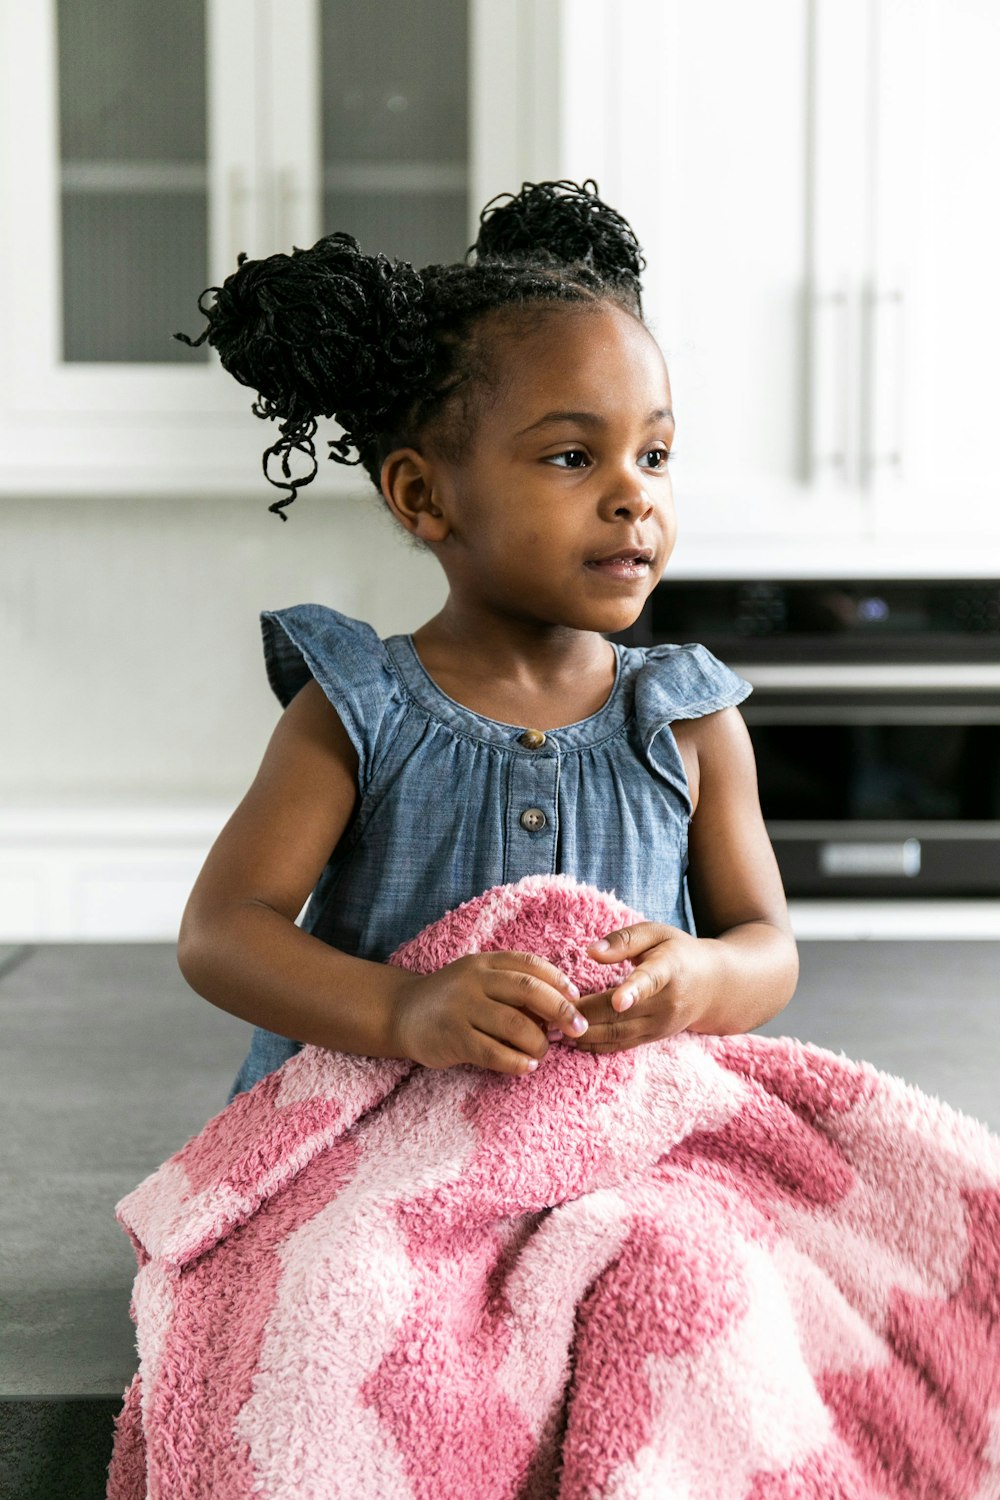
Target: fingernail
point(602, 946)
point(626, 999)
point(579, 1024)
point(571, 989)
point(532, 1065)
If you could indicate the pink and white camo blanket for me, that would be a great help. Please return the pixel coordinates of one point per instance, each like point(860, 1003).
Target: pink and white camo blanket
point(709, 1268)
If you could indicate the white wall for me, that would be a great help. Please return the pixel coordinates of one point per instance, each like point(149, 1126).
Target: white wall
point(129, 643)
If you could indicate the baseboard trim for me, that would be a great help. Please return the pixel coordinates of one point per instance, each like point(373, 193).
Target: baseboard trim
point(100, 874)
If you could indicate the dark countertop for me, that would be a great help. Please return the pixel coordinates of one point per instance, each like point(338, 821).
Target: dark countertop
point(108, 1063)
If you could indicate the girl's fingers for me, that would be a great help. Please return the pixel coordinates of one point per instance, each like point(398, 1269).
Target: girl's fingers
point(640, 985)
point(612, 1036)
point(531, 963)
point(533, 984)
point(497, 1058)
point(645, 981)
point(511, 1027)
point(629, 942)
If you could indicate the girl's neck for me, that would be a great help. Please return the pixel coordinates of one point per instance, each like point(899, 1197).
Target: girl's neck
point(518, 673)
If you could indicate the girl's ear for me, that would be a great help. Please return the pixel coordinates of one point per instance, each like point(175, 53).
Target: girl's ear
point(408, 487)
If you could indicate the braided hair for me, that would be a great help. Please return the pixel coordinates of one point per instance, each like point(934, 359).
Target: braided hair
point(387, 350)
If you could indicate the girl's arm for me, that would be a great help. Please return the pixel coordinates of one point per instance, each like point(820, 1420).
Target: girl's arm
point(736, 891)
point(239, 946)
point(743, 967)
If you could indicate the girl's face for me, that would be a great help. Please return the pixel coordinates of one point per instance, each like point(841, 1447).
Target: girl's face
point(561, 511)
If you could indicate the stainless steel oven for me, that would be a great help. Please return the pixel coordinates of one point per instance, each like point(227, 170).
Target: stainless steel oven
point(875, 721)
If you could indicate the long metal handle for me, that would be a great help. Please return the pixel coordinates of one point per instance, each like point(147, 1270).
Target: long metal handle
point(886, 376)
point(287, 197)
point(830, 446)
point(237, 201)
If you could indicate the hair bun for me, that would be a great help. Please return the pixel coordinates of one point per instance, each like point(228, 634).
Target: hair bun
point(566, 221)
point(323, 332)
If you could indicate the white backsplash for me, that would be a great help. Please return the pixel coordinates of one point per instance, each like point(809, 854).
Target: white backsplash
point(130, 650)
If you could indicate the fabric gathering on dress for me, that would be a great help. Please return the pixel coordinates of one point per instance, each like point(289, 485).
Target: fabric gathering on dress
point(451, 803)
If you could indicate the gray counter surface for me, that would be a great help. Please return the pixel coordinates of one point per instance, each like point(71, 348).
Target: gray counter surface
point(108, 1063)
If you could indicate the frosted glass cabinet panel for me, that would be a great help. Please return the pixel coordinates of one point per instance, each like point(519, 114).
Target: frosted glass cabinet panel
point(145, 146)
point(133, 157)
point(395, 125)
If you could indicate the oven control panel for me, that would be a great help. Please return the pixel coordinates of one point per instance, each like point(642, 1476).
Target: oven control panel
point(823, 620)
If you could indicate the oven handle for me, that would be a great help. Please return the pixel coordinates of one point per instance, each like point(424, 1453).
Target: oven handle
point(870, 857)
point(892, 677)
point(882, 712)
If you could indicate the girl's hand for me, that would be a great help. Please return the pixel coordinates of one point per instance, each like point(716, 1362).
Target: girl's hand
point(488, 1009)
point(669, 988)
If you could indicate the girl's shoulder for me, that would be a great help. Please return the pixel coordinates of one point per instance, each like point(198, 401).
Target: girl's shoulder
point(681, 682)
point(345, 657)
point(315, 640)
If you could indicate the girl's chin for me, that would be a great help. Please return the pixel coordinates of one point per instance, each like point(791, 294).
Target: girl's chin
point(609, 621)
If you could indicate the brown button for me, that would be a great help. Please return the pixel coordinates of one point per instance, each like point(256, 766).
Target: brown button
point(532, 739)
point(532, 819)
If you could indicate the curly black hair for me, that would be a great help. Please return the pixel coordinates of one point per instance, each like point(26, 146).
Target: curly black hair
point(387, 350)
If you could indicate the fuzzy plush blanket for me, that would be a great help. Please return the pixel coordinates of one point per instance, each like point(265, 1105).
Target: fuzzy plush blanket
point(710, 1268)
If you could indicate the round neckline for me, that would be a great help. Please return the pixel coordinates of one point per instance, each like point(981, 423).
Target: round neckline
point(434, 698)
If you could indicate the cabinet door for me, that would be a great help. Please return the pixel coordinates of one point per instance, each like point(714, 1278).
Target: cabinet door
point(762, 321)
point(758, 160)
point(146, 146)
point(127, 150)
point(935, 300)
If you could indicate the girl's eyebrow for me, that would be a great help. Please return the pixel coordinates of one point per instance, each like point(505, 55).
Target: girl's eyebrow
point(592, 419)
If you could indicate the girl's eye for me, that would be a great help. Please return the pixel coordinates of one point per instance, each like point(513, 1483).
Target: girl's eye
point(575, 458)
point(660, 458)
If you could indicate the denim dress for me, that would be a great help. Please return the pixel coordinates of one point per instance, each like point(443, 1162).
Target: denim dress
point(452, 803)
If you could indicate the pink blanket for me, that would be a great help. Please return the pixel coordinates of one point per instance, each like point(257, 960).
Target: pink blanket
point(709, 1268)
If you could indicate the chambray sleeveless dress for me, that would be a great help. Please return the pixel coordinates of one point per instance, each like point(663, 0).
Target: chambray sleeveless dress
point(452, 803)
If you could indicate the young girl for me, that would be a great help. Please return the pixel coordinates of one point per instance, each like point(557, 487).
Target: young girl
point(723, 1266)
point(515, 414)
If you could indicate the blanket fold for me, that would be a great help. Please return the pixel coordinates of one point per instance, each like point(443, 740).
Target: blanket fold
point(710, 1267)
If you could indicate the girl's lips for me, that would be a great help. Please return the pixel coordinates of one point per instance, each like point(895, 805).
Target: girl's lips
point(620, 567)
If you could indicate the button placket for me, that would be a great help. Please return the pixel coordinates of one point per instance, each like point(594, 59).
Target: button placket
point(532, 815)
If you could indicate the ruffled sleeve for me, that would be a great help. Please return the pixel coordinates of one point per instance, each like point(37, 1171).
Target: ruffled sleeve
point(349, 662)
point(680, 682)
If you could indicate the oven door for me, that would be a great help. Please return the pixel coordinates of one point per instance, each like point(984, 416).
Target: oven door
point(883, 782)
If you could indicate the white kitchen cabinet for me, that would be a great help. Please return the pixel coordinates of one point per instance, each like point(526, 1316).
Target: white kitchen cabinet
point(143, 146)
point(814, 181)
point(844, 348)
point(832, 309)
point(935, 290)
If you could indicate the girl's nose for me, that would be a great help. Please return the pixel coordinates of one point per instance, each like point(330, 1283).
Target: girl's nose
point(628, 498)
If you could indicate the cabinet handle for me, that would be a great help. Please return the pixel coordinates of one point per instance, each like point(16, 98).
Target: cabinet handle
point(287, 194)
point(885, 382)
point(832, 394)
point(237, 196)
